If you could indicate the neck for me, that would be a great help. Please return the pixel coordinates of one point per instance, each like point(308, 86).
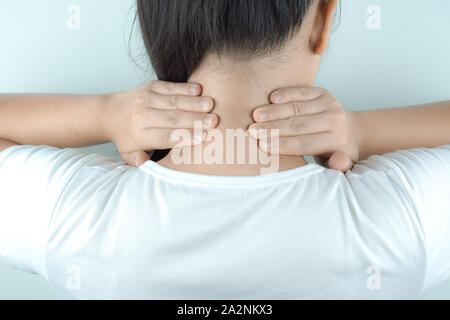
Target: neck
point(237, 90)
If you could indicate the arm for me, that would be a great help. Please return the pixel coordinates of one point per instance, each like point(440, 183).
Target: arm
point(56, 120)
point(387, 130)
point(137, 120)
point(4, 144)
point(424, 176)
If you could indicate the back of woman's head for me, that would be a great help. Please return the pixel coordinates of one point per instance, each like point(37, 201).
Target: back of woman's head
point(179, 33)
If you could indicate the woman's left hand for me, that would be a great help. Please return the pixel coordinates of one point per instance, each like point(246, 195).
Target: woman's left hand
point(310, 121)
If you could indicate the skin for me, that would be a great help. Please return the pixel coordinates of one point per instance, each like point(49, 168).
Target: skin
point(138, 119)
point(311, 121)
point(241, 85)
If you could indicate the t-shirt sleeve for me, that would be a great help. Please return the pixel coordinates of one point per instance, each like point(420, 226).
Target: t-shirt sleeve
point(426, 175)
point(32, 179)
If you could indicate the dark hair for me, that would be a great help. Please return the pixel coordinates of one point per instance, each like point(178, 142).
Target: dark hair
point(179, 33)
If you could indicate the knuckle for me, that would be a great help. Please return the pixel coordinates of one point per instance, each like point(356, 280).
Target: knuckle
point(141, 99)
point(137, 101)
point(301, 93)
point(299, 146)
point(174, 102)
point(297, 108)
point(296, 124)
point(171, 86)
point(282, 145)
point(151, 85)
point(174, 117)
point(335, 103)
point(165, 135)
point(324, 91)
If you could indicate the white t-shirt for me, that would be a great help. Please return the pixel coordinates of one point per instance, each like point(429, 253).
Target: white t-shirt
point(96, 228)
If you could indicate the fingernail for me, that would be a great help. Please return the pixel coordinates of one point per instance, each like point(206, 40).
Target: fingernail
point(205, 104)
point(253, 132)
point(277, 97)
point(262, 115)
point(195, 89)
point(209, 121)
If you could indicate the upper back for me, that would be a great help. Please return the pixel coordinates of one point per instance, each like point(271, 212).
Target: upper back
point(157, 233)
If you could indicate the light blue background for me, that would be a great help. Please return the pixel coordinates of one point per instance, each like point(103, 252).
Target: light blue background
point(405, 62)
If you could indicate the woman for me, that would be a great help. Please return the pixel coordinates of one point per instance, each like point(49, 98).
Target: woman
point(193, 229)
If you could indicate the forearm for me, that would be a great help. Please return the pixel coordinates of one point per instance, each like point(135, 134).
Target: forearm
point(56, 120)
point(4, 144)
point(387, 130)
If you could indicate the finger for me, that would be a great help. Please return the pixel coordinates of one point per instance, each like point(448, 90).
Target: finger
point(287, 95)
point(176, 119)
point(174, 88)
point(171, 138)
point(340, 161)
point(295, 126)
point(288, 110)
point(180, 102)
point(135, 159)
point(315, 144)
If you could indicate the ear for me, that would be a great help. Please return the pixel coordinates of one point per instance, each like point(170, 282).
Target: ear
point(320, 36)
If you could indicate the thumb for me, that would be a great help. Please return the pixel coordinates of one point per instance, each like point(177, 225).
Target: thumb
point(340, 161)
point(136, 158)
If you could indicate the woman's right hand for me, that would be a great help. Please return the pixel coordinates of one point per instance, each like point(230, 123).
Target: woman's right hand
point(144, 118)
